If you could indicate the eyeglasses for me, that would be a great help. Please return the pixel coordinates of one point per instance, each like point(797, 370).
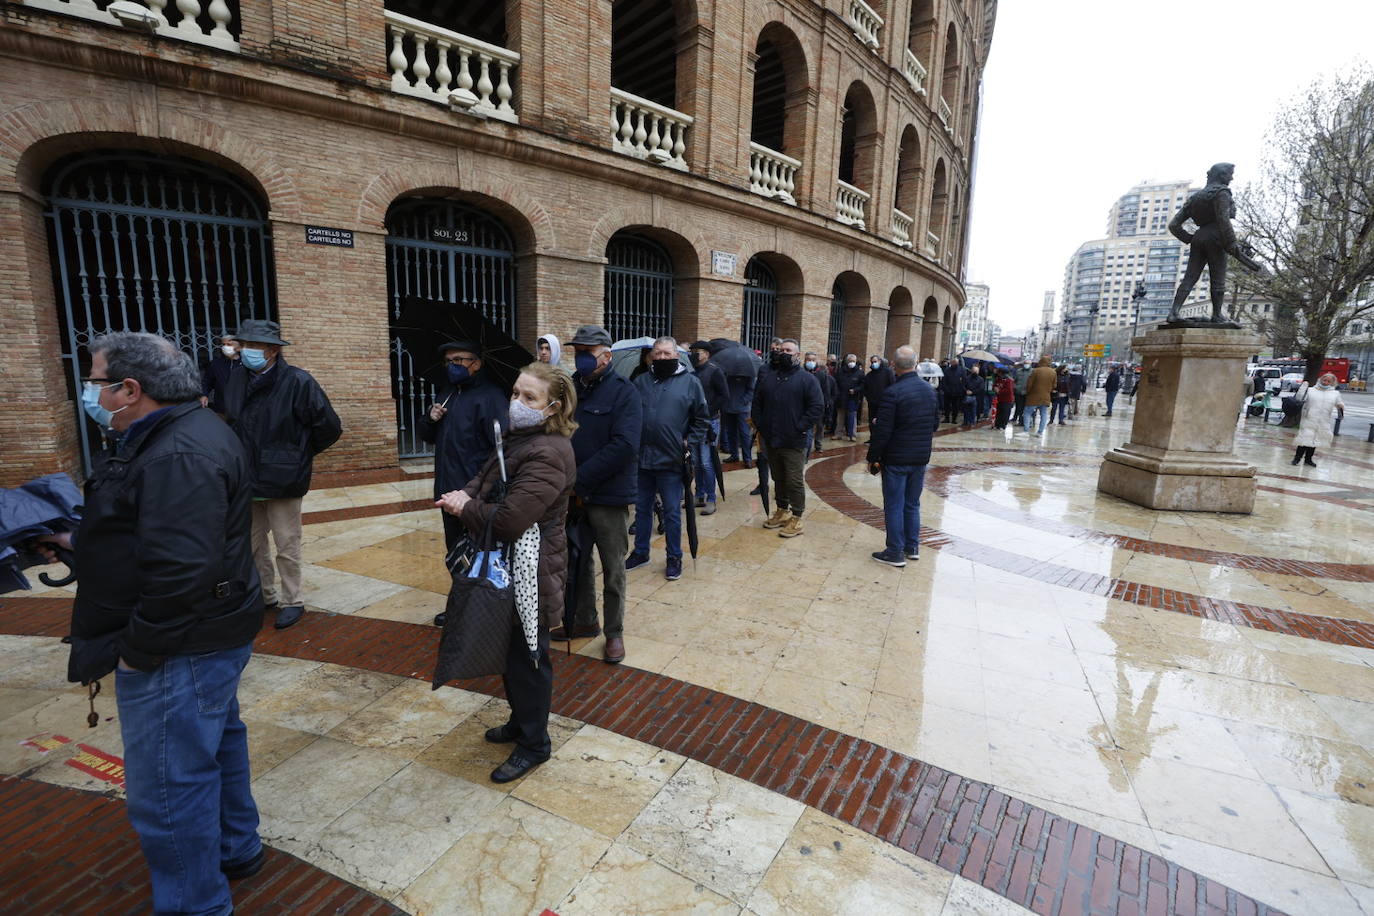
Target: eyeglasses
point(108, 381)
point(458, 360)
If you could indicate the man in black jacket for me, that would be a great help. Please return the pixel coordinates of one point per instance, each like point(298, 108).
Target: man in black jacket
point(787, 405)
point(459, 424)
point(284, 419)
point(609, 420)
point(828, 391)
point(849, 379)
point(169, 597)
point(717, 391)
point(899, 449)
point(1112, 387)
point(877, 380)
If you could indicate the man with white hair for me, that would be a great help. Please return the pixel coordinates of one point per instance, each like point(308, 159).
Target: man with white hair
point(899, 449)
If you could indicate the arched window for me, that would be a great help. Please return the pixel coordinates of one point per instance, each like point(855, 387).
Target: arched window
point(858, 148)
point(440, 254)
point(647, 120)
point(835, 335)
point(639, 287)
point(154, 243)
point(949, 81)
point(454, 53)
point(936, 241)
point(920, 43)
point(777, 122)
point(906, 200)
point(759, 321)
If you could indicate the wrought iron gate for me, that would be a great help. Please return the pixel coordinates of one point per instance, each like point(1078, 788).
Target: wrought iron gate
point(760, 306)
point(836, 336)
point(639, 288)
point(154, 243)
point(441, 251)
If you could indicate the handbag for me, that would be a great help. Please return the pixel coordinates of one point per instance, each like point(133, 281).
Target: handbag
point(480, 619)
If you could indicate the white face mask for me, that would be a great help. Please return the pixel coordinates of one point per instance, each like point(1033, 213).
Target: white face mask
point(228, 351)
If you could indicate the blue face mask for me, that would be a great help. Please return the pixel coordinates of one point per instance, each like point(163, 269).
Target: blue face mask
point(585, 364)
point(90, 402)
point(253, 359)
point(458, 374)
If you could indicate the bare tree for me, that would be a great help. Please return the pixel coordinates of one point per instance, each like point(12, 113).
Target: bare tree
point(1310, 215)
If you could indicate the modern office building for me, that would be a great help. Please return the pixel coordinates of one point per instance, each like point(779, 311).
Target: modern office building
point(973, 318)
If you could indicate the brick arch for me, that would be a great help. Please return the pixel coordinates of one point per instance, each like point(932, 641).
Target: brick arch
point(531, 223)
point(33, 136)
point(641, 218)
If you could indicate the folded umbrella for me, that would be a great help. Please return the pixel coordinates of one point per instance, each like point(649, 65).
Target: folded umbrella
point(46, 505)
point(580, 544)
point(689, 505)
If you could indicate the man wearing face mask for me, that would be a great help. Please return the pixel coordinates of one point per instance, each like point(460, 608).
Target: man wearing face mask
point(169, 600)
point(215, 378)
point(787, 405)
point(459, 423)
point(283, 419)
point(828, 389)
point(879, 378)
point(717, 392)
point(674, 421)
point(606, 444)
point(850, 382)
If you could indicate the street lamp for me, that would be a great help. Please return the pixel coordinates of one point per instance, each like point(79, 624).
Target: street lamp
point(1137, 297)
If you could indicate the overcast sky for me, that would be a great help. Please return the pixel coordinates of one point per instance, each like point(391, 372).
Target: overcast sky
point(1084, 98)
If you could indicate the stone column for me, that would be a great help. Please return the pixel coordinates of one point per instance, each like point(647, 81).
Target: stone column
point(1181, 456)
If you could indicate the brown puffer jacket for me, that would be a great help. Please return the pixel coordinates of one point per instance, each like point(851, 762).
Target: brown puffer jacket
point(541, 470)
point(1040, 385)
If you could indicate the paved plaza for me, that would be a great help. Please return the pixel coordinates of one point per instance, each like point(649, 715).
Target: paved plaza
point(1070, 704)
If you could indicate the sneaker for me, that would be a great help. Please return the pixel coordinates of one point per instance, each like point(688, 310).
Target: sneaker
point(890, 557)
point(673, 571)
point(709, 508)
point(778, 518)
point(792, 528)
point(636, 560)
point(913, 555)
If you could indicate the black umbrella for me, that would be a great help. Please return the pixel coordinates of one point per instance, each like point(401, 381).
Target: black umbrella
point(580, 544)
point(689, 505)
point(720, 472)
point(425, 325)
point(734, 358)
point(762, 488)
point(45, 505)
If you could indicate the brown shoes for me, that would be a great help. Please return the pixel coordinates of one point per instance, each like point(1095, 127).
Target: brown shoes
point(615, 650)
point(778, 518)
point(792, 527)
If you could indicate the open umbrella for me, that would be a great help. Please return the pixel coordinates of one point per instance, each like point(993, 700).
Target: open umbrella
point(689, 505)
point(425, 325)
point(626, 354)
point(45, 505)
point(982, 356)
point(734, 358)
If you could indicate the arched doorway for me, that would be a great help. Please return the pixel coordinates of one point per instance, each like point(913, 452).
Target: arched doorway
point(835, 336)
point(930, 330)
point(759, 322)
point(901, 321)
point(441, 251)
point(639, 287)
point(164, 244)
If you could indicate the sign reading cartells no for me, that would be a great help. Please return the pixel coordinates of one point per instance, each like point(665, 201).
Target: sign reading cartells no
point(323, 235)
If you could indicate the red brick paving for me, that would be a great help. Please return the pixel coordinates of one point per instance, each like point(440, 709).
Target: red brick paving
point(1027, 854)
point(72, 852)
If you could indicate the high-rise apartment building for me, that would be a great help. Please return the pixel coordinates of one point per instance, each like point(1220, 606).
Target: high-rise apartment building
point(973, 318)
point(1102, 274)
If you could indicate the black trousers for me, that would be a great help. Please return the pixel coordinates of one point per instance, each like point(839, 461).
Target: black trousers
point(529, 690)
point(453, 530)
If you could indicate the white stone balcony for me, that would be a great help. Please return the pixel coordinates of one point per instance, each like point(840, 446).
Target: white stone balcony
point(932, 244)
point(185, 13)
point(867, 24)
point(901, 228)
point(772, 174)
point(915, 72)
point(850, 204)
point(451, 69)
point(649, 131)
point(946, 116)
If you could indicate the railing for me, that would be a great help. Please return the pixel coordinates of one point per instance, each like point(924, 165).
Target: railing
point(901, 228)
point(849, 204)
point(946, 116)
point(647, 130)
point(468, 74)
point(187, 13)
point(864, 21)
point(915, 72)
point(772, 174)
point(932, 243)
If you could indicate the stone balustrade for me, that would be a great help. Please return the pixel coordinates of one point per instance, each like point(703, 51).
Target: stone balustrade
point(438, 65)
point(772, 174)
point(915, 72)
point(901, 228)
point(649, 131)
point(186, 13)
point(932, 243)
point(850, 203)
point(867, 24)
point(946, 116)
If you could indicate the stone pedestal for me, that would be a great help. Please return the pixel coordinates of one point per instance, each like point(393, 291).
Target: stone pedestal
point(1181, 456)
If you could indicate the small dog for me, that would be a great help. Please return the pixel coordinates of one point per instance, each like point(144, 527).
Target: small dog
point(1092, 410)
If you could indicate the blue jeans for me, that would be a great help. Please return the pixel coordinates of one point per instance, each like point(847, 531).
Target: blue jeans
point(186, 771)
point(1031, 412)
point(706, 469)
point(1059, 407)
point(970, 409)
point(735, 430)
point(851, 416)
point(1111, 399)
point(902, 485)
point(668, 486)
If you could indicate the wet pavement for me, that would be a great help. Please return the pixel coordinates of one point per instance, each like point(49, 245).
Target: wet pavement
point(1065, 685)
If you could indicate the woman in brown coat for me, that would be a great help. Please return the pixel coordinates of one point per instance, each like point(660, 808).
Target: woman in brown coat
point(540, 468)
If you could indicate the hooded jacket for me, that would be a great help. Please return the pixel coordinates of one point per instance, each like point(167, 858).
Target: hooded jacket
point(463, 437)
point(555, 348)
point(674, 411)
point(609, 422)
point(284, 419)
point(165, 547)
point(1040, 386)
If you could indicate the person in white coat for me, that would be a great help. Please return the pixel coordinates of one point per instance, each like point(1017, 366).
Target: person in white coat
point(1316, 429)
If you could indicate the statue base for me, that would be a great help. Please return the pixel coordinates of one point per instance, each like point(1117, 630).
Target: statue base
point(1181, 455)
point(1205, 323)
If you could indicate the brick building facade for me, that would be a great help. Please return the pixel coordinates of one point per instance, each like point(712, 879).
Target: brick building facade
point(162, 174)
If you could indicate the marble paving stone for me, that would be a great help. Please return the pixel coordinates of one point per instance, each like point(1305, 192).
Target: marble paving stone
point(1355, 720)
point(1045, 705)
point(828, 867)
point(1025, 658)
point(321, 699)
point(1363, 895)
point(969, 899)
point(1330, 769)
point(267, 675)
point(599, 779)
point(739, 677)
point(464, 753)
point(1217, 808)
point(728, 635)
point(415, 571)
point(342, 592)
point(391, 836)
point(515, 859)
point(410, 606)
point(951, 738)
point(831, 658)
point(1341, 831)
point(62, 714)
point(1352, 681)
point(1063, 769)
point(35, 662)
point(409, 718)
point(834, 705)
point(302, 795)
point(715, 829)
point(625, 881)
point(640, 652)
point(269, 745)
point(15, 700)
